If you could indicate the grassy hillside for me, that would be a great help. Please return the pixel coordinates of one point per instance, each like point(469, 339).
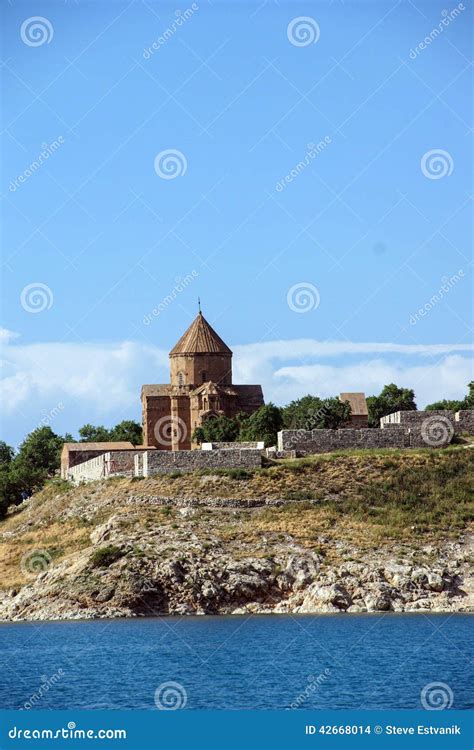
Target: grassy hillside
point(360, 499)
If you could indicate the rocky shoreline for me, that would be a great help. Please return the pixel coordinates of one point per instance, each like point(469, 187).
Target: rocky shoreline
point(123, 549)
point(144, 581)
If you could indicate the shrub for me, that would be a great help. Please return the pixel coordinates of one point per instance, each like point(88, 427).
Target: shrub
point(105, 556)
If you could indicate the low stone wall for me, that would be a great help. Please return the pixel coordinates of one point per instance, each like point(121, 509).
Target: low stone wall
point(167, 462)
point(233, 446)
point(114, 463)
point(464, 421)
point(414, 418)
point(420, 423)
point(326, 441)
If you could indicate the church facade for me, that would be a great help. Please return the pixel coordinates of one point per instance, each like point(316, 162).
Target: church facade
point(200, 388)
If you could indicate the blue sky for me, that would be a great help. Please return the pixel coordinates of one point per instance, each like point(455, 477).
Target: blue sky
point(367, 226)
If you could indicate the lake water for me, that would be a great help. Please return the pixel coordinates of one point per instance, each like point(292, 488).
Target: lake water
point(333, 662)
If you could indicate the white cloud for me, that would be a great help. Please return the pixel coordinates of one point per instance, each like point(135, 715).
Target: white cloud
point(363, 367)
point(6, 335)
point(444, 379)
point(100, 383)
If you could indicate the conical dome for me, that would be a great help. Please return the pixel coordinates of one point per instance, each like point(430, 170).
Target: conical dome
point(200, 338)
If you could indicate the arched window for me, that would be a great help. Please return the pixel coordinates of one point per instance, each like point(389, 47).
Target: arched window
point(181, 378)
point(203, 376)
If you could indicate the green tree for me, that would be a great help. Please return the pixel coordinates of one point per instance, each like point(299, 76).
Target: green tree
point(312, 413)
point(456, 404)
point(40, 450)
point(334, 413)
point(128, 430)
point(92, 434)
point(391, 399)
point(37, 459)
point(219, 429)
point(445, 404)
point(263, 424)
point(302, 413)
point(7, 495)
point(468, 402)
point(6, 453)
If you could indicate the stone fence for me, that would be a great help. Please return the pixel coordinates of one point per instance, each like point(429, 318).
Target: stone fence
point(464, 421)
point(146, 463)
point(402, 429)
point(114, 463)
point(325, 441)
point(461, 421)
point(168, 462)
point(233, 446)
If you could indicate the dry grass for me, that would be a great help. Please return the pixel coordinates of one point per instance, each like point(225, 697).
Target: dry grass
point(58, 540)
point(365, 499)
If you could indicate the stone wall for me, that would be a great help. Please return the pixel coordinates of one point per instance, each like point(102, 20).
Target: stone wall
point(464, 421)
point(402, 429)
point(114, 463)
point(414, 418)
point(233, 446)
point(167, 462)
point(424, 422)
point(326, 441)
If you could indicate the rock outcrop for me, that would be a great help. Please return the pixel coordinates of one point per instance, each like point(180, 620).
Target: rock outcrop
point(124, 549)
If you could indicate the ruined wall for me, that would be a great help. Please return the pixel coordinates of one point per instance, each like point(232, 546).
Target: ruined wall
point(464, 421)
point(233, 446)
point(402, 429)
point(325, 441)
point(114, 463)
point(158, 462)
point(414, 418)
point(424, 424)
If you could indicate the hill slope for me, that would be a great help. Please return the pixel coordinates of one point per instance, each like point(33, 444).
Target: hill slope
point(353, 532)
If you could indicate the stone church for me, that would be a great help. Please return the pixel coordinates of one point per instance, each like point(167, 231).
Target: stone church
point(201, 388)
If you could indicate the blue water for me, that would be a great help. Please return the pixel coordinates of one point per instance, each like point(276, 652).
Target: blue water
point(367, 661)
